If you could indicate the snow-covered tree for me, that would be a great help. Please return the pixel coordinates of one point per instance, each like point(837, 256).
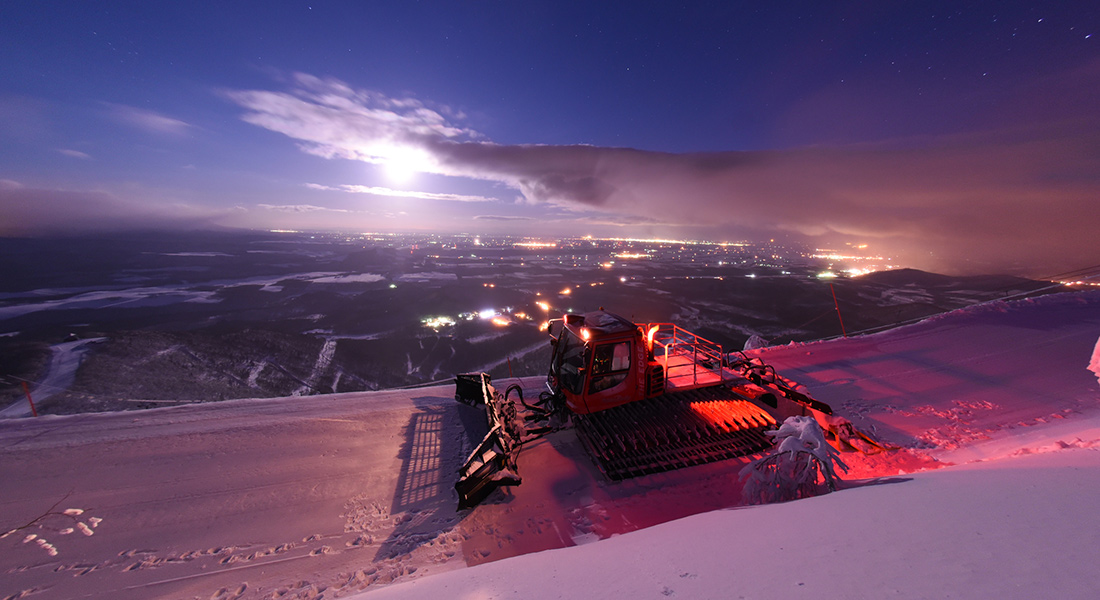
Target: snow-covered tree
point(801, 465)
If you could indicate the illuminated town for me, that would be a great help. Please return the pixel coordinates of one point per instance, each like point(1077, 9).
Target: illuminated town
point(594, 262)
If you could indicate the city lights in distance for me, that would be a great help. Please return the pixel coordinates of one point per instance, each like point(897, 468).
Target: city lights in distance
point(437, 323)
point(829, 255)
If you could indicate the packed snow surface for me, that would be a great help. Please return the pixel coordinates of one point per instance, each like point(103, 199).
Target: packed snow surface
point(1021, 528)
point(991, 494)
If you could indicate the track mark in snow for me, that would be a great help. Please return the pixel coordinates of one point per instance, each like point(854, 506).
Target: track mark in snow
point(302, 590)
point(132, 553)
point(230, 593)
point(24, 593)
point(254, 374)
point(149, 559)
point(324, 359)
point(957, 423)
point(363, 515)
point(1059, 445)
point(362, 540)
point(364, 578)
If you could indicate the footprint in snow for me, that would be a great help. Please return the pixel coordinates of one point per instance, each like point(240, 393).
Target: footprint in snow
point(322, 550)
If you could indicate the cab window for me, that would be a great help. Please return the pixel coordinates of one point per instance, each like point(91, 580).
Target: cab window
point(610, 365)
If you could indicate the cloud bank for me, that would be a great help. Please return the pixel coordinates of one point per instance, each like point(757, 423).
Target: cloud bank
point(26, 210)
point(383, 191)
point(1020, 198)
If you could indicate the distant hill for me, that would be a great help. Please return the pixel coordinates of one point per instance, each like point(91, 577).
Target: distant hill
point(906, 277)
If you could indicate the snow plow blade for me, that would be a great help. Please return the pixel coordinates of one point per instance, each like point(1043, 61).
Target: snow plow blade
point(492, 464)
point(673, 431)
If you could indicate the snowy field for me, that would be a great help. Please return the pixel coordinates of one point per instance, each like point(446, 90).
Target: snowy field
point(992, 495)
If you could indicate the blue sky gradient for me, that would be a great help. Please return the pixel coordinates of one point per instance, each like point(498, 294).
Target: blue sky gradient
point(958, 138)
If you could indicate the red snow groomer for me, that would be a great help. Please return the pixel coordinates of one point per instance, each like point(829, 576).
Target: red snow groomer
point(643, 398)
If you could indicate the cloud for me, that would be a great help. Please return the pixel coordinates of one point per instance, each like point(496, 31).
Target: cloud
point(27, 210)
point(332, 120)
point(74, 153)
point(616, 220)
point(147, 120)
point(300, 208)
point(382, 191)
point(1024, 197)
point(502, 218)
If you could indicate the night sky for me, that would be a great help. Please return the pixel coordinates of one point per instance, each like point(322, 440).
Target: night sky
point(958, 137)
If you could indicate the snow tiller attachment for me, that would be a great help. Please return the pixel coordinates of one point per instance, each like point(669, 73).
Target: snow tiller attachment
point(493, 463)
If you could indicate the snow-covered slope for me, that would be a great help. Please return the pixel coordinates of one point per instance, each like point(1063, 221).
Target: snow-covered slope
point(957, 383)
point(1007, 387)
point(325, 496)
point(1018, 528)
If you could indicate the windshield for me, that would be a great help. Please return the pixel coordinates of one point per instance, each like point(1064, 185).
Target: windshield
point(569, 360)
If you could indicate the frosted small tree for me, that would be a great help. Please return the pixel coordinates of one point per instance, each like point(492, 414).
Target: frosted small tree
point(800, 466)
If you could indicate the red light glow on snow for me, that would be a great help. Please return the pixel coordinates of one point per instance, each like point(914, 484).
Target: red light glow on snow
point(731, 415)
